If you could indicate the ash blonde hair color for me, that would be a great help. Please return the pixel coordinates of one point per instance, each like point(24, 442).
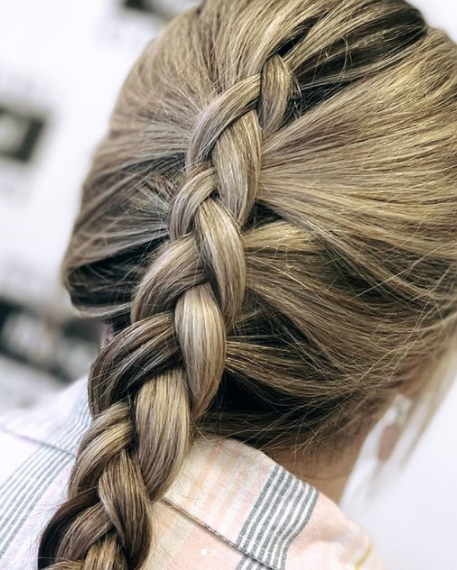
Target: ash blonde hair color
point(269, 228)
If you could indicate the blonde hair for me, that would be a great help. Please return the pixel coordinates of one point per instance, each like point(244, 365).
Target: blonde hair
point(269, 228)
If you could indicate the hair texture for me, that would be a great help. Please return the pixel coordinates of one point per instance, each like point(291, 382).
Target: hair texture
point(269, 228)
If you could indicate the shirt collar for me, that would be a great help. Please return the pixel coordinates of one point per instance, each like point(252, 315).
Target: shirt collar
point(245, 497)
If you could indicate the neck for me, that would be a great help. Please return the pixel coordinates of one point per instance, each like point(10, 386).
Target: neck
point(333, 488)
point(329, 476)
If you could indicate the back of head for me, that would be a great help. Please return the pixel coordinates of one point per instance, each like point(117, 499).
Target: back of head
point(268, 227)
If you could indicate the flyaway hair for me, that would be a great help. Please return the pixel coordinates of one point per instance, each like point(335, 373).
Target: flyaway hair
point(269, 227)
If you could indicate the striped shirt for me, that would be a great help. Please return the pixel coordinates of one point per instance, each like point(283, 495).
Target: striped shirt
point(231, 508)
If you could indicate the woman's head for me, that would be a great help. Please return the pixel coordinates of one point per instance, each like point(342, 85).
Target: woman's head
point(268, 227)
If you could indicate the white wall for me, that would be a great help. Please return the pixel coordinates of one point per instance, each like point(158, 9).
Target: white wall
point(411, 511)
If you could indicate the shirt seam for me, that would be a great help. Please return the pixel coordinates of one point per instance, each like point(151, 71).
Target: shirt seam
point(219, 535)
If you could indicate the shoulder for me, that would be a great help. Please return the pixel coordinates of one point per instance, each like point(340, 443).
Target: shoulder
point(37, 448)
point(39, 423)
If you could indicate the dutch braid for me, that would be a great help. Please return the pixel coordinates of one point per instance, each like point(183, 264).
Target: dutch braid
point(107, 517)
point(229, 236)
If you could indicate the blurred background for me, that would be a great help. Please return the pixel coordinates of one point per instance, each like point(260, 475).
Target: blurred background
point(61, 66)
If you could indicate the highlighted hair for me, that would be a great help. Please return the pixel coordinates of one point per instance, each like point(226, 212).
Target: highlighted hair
point(269, 228)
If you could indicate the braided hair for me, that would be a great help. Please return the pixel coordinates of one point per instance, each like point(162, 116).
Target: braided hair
point(268, 228)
